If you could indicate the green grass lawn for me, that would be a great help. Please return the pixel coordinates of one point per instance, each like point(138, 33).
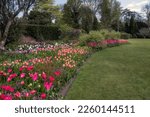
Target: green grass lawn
point(121, 72)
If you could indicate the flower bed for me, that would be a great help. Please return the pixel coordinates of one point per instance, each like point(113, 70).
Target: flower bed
point(106, 43)
point(40, 78)
point(44, 69)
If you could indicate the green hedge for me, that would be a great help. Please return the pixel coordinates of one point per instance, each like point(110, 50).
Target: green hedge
point(43, 32)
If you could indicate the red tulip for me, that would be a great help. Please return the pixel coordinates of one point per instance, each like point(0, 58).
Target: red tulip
point(2, 96)
point(57, 73)
point(8, 98)
point(52, 79)
point(44, 75)
point(29, 68)
point(43, 96)
point(7, 88)
point(21, 69)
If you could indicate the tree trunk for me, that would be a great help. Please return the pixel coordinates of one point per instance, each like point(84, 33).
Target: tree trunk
point(5, 35)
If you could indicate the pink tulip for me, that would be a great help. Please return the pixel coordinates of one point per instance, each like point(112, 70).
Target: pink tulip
point(44, 75)
point(48, 85)
point(20, 69)
point(57, 73)
point(9, 70)
point(22, 83)
point(34, 76)
point(17, 94)
point(22, 75)
point(33, 92)
point(27, 95)
point(11, 77)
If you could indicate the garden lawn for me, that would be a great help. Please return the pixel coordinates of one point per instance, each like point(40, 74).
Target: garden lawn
point(116, 73)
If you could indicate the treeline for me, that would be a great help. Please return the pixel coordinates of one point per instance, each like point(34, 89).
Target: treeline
point(44, 20)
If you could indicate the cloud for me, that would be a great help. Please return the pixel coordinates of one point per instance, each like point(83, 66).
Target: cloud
point(137, 6)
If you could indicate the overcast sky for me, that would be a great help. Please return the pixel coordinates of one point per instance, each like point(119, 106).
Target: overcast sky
point(134, 5)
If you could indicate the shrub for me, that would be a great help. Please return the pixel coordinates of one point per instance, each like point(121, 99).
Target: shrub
point(110, 34)
point(83, 39)
point(115, 35)
point(105, 33)
point(125, 35)
point(144, 32)
point(40, 26)
point(96, 36)
point(93, 36)
point(15, 32)
point(68, 33)
point(43, 32)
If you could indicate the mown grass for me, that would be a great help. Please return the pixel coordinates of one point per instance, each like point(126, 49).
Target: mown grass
point(116, 73)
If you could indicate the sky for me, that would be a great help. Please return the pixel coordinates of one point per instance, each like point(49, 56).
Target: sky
point(134, 5)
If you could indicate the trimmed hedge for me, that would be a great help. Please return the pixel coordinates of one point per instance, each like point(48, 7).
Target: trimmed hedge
point(44, 32)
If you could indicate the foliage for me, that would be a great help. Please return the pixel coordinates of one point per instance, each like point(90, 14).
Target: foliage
point(145, 32)
point(78, 14)
point(110, 12)
point(71, 13)
point(146, 9)
point(43, 32)
point(68, 33)
point(132, 22)
point(16, 31)
point(101, 39)
point(49, 7)
point(125, 35)
point(96, 36)
point(87, 19)
point(40, 26)
point(110, 34)
point(9, 10)
point(93, 36)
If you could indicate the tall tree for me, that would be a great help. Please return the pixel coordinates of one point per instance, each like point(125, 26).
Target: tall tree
point(115, 14)
point(146, 9)
point(132, 21)
point(105, 13)
point(87, 18)
point(94, 5)
point(110, 12)
point(71, 13)
point(132, 25)
point(48, 7)
point(9, 10)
